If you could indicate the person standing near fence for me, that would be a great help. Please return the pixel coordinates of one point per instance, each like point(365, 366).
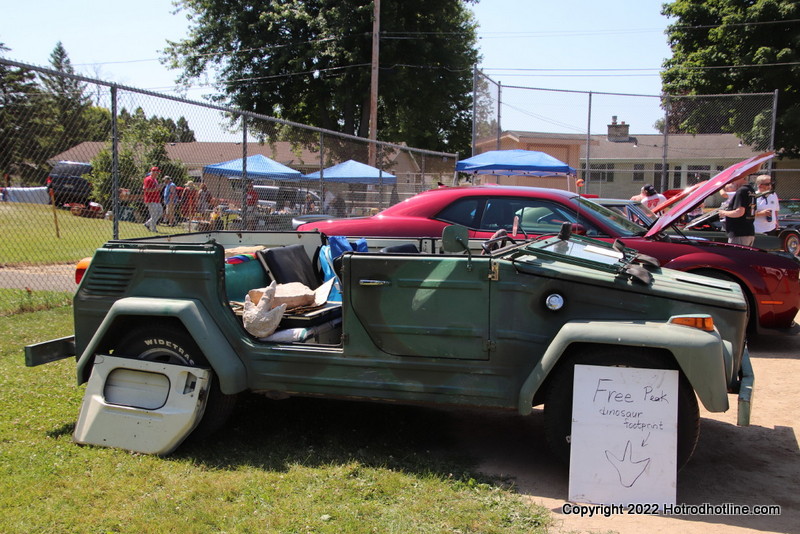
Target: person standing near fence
point(189, 205)
point(767, 206)
point(152, 199)
point(205, 202)
point(170, 200)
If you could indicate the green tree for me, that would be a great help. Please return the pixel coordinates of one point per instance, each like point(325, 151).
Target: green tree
point(729, 47)
point(67, 105)
point(19, 122)
point(309, 62)
point(183, 134)
point(142, 144)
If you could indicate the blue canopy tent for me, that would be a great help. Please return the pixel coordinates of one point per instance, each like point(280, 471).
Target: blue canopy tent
point(258, 167)
point(353, 172)
point(515, 162)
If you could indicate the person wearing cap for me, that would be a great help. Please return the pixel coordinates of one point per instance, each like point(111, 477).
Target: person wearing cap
point(170, 200)
point(152, 199)
point(650, 197)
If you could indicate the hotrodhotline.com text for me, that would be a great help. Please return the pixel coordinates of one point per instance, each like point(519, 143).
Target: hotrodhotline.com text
point(607, 510)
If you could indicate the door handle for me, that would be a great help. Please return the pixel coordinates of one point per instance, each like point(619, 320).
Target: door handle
point(374, 283)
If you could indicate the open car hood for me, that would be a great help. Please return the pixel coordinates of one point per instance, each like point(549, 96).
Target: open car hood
point(708, 188)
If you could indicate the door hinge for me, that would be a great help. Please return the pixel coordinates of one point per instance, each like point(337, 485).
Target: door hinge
point(494, 271)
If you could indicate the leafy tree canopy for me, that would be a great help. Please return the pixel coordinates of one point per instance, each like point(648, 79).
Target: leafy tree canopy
point(738, 46)
point(309, 62)
point(18, 101)
point(142, 144)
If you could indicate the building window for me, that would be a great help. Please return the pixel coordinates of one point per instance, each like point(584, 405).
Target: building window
point(697, 173)
point(600, 172)
point(676, 177)
point(658, 175)
point(638, 172)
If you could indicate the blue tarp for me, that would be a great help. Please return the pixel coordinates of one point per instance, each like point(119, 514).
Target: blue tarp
point(352, 171)
point(258, 166)
point(512, 162)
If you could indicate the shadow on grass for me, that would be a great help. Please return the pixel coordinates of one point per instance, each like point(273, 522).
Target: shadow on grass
point(275, 435)
point(64, 430)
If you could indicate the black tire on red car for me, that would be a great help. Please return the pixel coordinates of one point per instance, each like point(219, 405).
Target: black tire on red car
point(791, 241)
point(558, 399)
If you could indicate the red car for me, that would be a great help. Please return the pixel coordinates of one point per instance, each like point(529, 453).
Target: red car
point(770, 281)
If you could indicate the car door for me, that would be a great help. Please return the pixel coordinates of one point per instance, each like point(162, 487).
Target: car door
point(418, 305)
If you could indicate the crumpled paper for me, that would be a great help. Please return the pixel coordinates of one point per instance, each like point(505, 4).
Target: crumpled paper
point(261, 319)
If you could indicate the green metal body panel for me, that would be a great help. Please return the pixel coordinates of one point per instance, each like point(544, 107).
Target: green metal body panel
point(698, 353)
point(195, 318)
point(417, 328)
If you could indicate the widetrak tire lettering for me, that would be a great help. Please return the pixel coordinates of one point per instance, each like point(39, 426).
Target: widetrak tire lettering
point(170, 345)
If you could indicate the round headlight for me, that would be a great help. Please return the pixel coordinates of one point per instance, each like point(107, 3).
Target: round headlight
point(554, 302)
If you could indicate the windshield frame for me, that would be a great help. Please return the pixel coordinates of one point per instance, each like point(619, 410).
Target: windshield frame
point(618, 223)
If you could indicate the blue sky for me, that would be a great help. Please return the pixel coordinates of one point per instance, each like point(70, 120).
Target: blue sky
point(614, 46)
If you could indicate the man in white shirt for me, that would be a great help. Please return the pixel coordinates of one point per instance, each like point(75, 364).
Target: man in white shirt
point(767, 206)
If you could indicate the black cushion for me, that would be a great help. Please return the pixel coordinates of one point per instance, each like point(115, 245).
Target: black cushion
point(291, 264)
point(407, 248)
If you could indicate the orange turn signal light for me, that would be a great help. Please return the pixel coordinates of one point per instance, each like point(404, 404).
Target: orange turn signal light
point(701, 322)
point(80, 269)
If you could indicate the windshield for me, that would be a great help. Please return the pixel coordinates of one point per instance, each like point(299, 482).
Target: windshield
point(638, 213)
point(584, 250)
point(619, 224)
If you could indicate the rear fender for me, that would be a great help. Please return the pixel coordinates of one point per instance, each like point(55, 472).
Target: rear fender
point(228, 367)
point(699, 354)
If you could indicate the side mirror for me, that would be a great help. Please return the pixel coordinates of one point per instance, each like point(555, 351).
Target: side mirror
point(565, 232)
point(455, 238)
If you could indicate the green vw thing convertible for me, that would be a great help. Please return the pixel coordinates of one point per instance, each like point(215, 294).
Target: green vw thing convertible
point(161, 341)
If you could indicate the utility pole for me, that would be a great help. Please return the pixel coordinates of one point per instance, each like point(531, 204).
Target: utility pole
point(373, 96)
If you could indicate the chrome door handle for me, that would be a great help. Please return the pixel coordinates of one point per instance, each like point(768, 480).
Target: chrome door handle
point(374, 283)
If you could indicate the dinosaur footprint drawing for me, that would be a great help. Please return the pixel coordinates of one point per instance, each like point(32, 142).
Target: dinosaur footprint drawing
point(628, 470)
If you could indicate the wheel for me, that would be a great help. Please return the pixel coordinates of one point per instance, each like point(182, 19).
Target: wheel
point(558, 398)
point(174, 345)
point(791, 242)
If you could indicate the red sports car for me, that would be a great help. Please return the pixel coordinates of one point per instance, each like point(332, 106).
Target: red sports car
point(770, 281)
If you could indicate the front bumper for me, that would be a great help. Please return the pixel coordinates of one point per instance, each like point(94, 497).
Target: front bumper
point(49, 351)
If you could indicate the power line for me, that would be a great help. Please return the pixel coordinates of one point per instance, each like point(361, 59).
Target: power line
point(611, 70)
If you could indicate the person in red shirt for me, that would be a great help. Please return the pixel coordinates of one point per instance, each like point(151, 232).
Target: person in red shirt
point(189, 207)
point(251, 196)
point(251, 201)
point(152, 199)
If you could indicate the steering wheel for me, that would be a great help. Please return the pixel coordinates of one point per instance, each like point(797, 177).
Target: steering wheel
point(550, 218)
point(498, 239)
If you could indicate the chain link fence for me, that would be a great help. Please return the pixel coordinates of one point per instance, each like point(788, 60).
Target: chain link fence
point(75, 152)
point(620, 141)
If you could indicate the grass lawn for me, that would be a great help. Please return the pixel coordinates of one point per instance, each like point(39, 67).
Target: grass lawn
point(19, 300)
point(29, 234)
point(293, 466)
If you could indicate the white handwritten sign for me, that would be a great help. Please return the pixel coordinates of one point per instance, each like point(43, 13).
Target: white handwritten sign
point(624, 435)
